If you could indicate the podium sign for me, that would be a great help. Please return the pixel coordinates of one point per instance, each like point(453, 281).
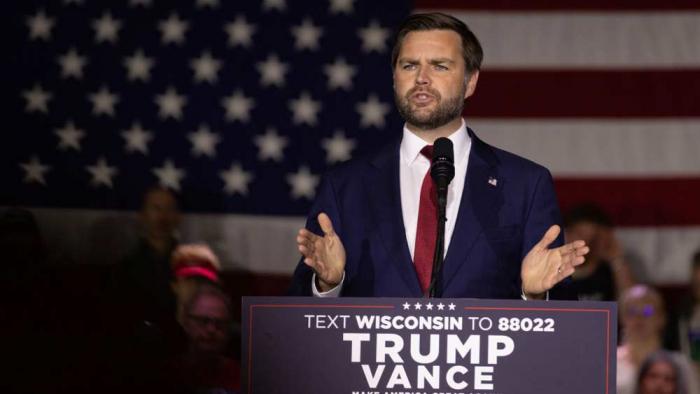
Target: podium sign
point(394, 345)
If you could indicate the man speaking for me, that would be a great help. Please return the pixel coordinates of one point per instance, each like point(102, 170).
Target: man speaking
point(373, 228)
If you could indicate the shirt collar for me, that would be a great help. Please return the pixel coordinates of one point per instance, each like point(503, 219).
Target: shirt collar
point(411, 144)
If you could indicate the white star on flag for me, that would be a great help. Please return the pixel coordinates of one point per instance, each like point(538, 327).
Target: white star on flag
point(173, 30)
point(170, 104)
point(339, 74)
point(305, 109)
point(372, 112)
point(272, 71)
point(34, 171)
point(106, 28)
point(240, 32)
point(103, 102)
point(338, 147)
point(168, 175)
point(205, 68)
point(72, 64)
point(306, 35)
point(69, 136)
point(238, 106)
point(137, 139)
point(203, 142)
point(236, 180)
point(207, 3)
point(303, 183)
point(374, 37)
point(102, 173)
point(279, 5)
point(270, 145)
point(139, 66)
point(341, 6)
point(40, 26)
point(37, 99)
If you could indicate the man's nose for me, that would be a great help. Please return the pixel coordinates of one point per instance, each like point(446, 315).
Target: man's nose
point(423, 76)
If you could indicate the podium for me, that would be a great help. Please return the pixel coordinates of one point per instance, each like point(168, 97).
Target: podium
point(396, 345)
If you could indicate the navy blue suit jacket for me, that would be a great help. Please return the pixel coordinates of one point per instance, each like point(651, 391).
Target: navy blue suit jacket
point(496, 226)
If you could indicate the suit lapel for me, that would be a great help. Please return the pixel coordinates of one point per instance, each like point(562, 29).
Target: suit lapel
point(478, 207)
point(385, 202)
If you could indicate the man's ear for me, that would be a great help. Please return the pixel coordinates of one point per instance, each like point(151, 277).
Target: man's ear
point(471, 81)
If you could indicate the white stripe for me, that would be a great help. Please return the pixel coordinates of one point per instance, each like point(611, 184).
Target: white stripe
point(586, 147)
point(587, 39)
point(267, 244)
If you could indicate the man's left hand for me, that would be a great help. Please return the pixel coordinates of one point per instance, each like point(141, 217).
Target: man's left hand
point(543, 268)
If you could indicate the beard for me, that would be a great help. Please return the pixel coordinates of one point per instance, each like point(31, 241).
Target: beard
point(445, 111)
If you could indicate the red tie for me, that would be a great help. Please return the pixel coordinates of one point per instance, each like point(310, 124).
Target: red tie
point(426, 231)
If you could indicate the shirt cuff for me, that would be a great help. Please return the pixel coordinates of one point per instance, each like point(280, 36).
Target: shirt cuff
point(522, 295)
point(332, 293)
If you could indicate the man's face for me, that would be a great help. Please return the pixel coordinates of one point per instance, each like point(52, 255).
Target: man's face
point(659, 379)
point(206, 324)
point(430, 81)
point(160, 213)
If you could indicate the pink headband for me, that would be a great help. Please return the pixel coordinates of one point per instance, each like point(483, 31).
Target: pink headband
point(188, 271)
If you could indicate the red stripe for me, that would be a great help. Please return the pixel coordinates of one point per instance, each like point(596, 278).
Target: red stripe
point(636, 202)
point(549, 5)
point(606, 94)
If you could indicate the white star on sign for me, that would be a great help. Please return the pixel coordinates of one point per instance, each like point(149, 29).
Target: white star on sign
point(139, 66)
point(34, 171)
point(169, 175)
point(372, 112)
point(102, 173)
point(240, 32)
point(451, 306)
point(137, 139)
point(338, 147)
point(303, 183)
point(341, 6)
point(40, 26)
point(72, 64)
point(205, 68)
point(203, 142)
point(170, 104)
point(37, 99)
point(278, 5)
point(173, 30)
point(305, 109)
point(374, 37)
point(441, 306)
point(429, 306)
point(69, 136)
point(339, 74)
point(417, 306)
point(272, 71)
point(406, 306)
point(103, 102)
point(306, 35)
point(207, 3)
point(236, 179)
point(238, 106)
point(270, 145)
point(106, 28)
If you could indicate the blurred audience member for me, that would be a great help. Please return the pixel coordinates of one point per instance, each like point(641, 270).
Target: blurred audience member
point(689, 321)
point(23, 249)
point(659, 374)
point(205, 367)
point(193, 265)
point(606, 273)
point(643, 319)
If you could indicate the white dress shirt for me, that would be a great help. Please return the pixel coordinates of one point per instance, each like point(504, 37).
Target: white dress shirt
point(412, 169)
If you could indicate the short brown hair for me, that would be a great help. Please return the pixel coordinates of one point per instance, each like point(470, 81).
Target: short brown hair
point(471, 48)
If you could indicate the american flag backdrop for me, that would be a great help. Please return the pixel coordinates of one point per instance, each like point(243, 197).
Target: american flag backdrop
point(240, 106)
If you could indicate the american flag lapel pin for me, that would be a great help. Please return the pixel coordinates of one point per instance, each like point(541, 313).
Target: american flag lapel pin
point(493, 181)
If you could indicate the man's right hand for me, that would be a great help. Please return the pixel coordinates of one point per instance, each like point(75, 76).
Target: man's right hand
point(324, 254)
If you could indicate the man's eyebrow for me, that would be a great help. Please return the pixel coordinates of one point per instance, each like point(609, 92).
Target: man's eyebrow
point(441, 60)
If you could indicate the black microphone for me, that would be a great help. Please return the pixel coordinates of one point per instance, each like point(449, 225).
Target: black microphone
point(442, 169)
